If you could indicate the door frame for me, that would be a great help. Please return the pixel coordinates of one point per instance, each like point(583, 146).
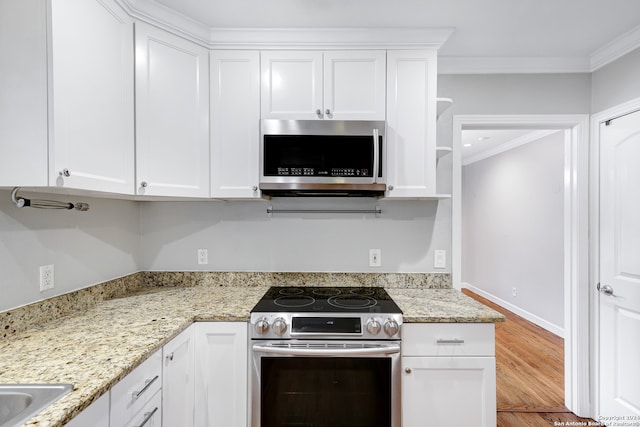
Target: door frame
point(576, 237)
point(594, 229)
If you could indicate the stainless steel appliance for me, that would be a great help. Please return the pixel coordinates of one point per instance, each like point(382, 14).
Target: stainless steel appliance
point(322, 158)
point(325, 357)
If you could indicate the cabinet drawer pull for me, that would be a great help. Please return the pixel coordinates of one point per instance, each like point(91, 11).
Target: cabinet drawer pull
point(147, 417)
point(137, 394)
point(453, 341)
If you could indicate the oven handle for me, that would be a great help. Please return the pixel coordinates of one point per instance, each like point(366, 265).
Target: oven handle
point(288, 351)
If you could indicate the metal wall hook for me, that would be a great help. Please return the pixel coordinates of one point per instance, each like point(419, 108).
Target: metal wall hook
point(21, 202)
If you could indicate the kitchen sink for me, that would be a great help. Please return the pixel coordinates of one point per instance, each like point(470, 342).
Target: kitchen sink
point(20, 402)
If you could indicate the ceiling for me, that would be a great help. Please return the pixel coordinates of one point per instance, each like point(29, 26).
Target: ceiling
point(570, 32)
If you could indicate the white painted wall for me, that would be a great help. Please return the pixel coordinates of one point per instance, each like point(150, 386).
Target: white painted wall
point(616, 83)
point(240, 236)
point(512, 219)
point(517, 93)
point(85, 248)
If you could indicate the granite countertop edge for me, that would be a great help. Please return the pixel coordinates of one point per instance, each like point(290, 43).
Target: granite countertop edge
point(96, 348)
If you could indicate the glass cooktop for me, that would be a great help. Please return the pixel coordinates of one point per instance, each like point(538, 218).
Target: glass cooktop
point(311, 299)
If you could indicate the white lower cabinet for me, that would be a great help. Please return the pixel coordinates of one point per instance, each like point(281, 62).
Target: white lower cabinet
point(221, 381)
point(95, 415)
point(178, 379)
point(448, 375)
point(150, 415)
point(131, 397)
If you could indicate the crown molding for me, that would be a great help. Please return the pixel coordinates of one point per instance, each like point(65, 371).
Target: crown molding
point(616, 49)
point(163, 17)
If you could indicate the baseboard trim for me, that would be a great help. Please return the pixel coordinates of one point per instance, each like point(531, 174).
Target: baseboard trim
point(554, 329)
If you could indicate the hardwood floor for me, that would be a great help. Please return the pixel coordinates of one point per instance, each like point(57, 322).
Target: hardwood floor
point(529, 373)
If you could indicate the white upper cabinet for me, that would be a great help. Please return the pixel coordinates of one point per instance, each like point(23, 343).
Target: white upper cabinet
point(172, 115)
point(411, 124)
point(235, 124)
point(67, 94)
point(332, 85)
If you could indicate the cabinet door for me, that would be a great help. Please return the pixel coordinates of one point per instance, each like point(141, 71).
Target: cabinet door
point(354, 85)
point(23, 95)
point(235, 123)
point(291, 85)
point(95, 415)
point(92, 80)
point(178, 380)
point(150, 416)
point(172, 115)
point(411, 125)
point(448, 391)
point(221, 384)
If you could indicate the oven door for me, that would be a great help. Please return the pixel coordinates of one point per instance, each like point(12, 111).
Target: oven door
point(307, 383)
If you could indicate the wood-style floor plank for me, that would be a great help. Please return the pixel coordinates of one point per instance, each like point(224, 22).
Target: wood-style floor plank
point(529, 372)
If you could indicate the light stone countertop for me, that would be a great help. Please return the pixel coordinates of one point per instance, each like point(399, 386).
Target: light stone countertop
point(96, 348)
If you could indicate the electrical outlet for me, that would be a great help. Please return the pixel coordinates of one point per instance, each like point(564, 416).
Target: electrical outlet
point(203, 256)
point(440, 259)
point(46, 277)
point(375, 258)
point(514, 292)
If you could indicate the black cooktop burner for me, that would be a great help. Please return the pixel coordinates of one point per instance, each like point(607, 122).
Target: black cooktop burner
point(312, 299)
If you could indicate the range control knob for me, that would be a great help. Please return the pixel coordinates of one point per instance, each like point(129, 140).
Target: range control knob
point(373, 327)
point(279, 326)
point(391, 327)
point(262, 326)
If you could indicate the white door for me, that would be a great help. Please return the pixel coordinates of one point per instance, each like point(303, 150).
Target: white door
point(93, 131)
point(619, 297)
point(235, 123)
point(354, 85)
point(221, 389)
point(178, 379)
point(291, 85)
point(172, 115)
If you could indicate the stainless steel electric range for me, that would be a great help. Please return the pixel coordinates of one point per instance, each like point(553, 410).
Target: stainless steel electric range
point(325, 357)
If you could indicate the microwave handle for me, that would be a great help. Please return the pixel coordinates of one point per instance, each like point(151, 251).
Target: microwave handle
point(376, 155)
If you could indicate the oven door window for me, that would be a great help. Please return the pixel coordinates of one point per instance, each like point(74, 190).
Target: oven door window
point(325, 392)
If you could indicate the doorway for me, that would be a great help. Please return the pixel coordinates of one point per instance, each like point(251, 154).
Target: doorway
point(576, 226)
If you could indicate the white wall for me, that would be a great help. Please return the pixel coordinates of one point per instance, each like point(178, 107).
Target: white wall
point(517, 93)
point(85, 248)
point(616, 83)
point(240, 236)
point(512, 216)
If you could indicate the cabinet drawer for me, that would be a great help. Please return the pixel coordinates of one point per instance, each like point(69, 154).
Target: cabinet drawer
point(448, 339)
point(135, 390)
point(149, 416)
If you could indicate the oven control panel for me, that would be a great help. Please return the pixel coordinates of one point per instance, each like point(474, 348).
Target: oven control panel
point(325, 325)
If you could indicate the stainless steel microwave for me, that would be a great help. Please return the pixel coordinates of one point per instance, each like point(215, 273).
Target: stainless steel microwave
point(322, 158)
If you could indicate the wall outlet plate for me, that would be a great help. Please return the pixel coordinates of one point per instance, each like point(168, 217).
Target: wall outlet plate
point(203, 256)
point(46, 277)
point(440, 259)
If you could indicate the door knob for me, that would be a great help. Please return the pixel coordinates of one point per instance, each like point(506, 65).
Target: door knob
point(606, 289)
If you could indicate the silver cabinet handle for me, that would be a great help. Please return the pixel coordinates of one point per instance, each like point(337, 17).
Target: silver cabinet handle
point(137, 394)
point(327, 112)
point(147, 417)
point(319, 113)
point(407, 370)
point(606, 289)
point(376, 154)
point(169, 356)
point(453, 341)
point(254, 188)
point(65, 172)
point(390, 187)
point(144, 184)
